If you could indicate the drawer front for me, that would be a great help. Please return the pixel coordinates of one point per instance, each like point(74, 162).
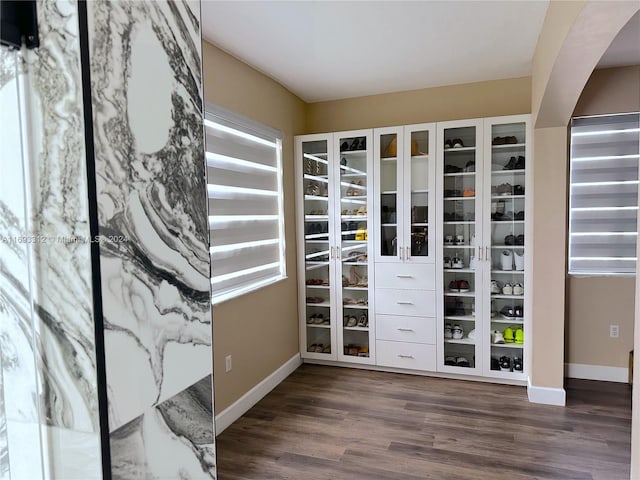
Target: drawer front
point(405, 275)
point(406, 329)
point(415, 356)
point(416, 303)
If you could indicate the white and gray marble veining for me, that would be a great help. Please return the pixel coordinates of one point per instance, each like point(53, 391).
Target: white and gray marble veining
point(4, 441)
point(147, 104)
point(58, 284)
point(181, 425)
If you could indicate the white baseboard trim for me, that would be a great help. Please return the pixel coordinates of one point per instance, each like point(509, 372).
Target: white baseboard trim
point(546, 395)
point(596, 372)
point(253, 396)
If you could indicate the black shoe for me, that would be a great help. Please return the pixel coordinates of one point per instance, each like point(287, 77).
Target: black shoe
point(495, 363)
point(520, 239)
point(343, 162)
point(518, 190)
point(519, 215)
point(470, 166)
point(505, 364)
point(509, 240)
point(511, 164)
point(519, 163)
point(354, 145)
point(344, 146)
point(447, 144)
point(517, 364)
point(362, 145)
point(452, 169)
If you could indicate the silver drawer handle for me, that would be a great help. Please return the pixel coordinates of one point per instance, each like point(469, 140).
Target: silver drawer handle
point(402, 302)
point(405, 329)
point(404, 276)
point(405, 356)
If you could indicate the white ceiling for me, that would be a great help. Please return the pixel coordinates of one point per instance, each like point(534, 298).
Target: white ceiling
point(625, 48)
point(329, 50)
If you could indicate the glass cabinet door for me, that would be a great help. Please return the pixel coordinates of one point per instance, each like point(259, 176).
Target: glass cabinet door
point(317, 248)
point(388, 165)
point(419, 172)
point(352, 252)
point(506, 239)
point(461, 211)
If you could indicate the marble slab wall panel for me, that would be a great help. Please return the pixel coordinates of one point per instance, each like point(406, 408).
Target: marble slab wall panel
point(46, 306)
point(152, 212)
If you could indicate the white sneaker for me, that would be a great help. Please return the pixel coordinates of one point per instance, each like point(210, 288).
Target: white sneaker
point(497, 337)
point(519, 260)
point(457, 263)
point(447, 331)
point(506, 260)
point(457, 332)
point(518, 289)
point(472, 334)
point(507, 289)
point(495, 287)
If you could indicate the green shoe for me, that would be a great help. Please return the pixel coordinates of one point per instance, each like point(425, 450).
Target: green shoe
point(508, 335)
point(519, 336)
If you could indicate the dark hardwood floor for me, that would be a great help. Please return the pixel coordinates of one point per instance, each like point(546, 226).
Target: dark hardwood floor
point(338, 423)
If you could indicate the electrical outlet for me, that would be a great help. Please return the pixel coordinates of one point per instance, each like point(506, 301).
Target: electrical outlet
point(614, 331)
point(227, 361)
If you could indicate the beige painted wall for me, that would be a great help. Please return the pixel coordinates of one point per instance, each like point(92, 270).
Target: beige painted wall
point(471, 100)
point(594, 303)
point(260, 329)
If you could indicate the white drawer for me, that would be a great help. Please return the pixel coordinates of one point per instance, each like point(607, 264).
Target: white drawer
point(420, 276)
point(416, 356)
point(406, 329)
point(416, 303)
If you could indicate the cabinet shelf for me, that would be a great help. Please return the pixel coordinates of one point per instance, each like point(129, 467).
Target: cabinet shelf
point(314, 265)
point(508, 322)
point(313, 218)
point(316, 197)
point(461, 318)
point(458, 246)
point(325, 287)
point(314, 236)
point(456, 199)
point(345, 262)
point(507, 197)
point(419, 157)
point(460, 222)
point(508, 345)
point(388, 224)
point(313, 325)
point(317, 178)
point(356, 307)
point(360, 289)
point(509, 172)
point(362, 218)
point(508, 272)
point(462, 341)
point(459, 174)
point(420, 190)
point(508, 297)
point(507, 246)
point(353, 152)
point(323, 304)
point(357, 329)
point(459, 294)
point(419, 224)
point(458, 270)
point(459, 149)
point(509, 146)
point(355, 199)
point(389, 192)
point(353, 175)
point(507, 222)
point(389, 159)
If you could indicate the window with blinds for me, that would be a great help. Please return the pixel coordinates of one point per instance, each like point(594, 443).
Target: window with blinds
point(246, 211)
point(603, 199)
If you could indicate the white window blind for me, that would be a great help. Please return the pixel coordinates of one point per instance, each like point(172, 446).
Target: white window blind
point(604, 194)
point(246, 211)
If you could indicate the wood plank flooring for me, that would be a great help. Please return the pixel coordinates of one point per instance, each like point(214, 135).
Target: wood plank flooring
point(329, 423)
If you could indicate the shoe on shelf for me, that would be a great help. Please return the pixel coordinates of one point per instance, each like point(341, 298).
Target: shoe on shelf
point(344, 146)
point(354, 145)
point(319, 319)
point(452, 169)
point(450, 361)
point(454, 286)
point(457, 263)
point(470, 166)
point(519, 240)
point(506, 260)
point(363, 322)
point(511, 164)
point(469, 192)
point(498, 141)
point(463, 286)
point(459, 240)
point(518, 190)
point(457, 143)
point(508, 312)
point(518, 289)
point(447, 331)
point(507, 334)
point(448, 240)
point(495, 363)
point(518, 311)
point(496, 337)
point(311, 320)
point(495, 287)
point(462, 362)
point(362, 144)
point(352, 321)
point(517, 364)
point(519, 260)
point(327, 349)
point(509, 240)
point(519, 215)
point(519, 336)
point(447, 144)
point(457, 332)
point(519, 163)
point(472, 334)
point(505, 364)
point(507, 289)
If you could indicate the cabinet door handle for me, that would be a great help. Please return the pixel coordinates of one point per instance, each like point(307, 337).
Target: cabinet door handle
point(479, 254)
point(404, 302)
point(404, 276)
point(338, 253)
point(400, 252)
point(488, 255)
point(407, 254)
point(406, 329)
point(405, 356)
